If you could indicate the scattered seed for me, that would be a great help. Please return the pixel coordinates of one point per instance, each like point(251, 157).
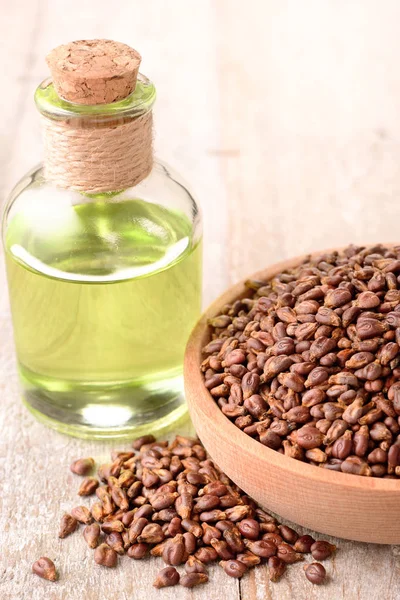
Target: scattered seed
point(194, 565)
point(233, 568)
point(82, 466)
point(82, 514)
point(138, 551)
point(88, 486)
point(91, 533)
point(68, 525)
point(105, 556)
point(315, 572)
point(167, 577)
point(277, 567)
point(45, 568)
point(190, 580)
point(321, 550)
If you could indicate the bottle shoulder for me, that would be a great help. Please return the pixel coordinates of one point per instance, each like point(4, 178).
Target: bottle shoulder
point(155, 222)
point(163, 183)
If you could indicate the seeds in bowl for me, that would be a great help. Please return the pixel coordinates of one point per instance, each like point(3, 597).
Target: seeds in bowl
point(308, 363)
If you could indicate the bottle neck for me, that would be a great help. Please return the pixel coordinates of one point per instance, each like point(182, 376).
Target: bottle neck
point(102, 148)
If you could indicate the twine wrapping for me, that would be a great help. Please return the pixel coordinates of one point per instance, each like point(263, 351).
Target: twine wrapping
point(96, 157)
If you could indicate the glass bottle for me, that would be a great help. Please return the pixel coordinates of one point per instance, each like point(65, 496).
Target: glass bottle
point(104, 287)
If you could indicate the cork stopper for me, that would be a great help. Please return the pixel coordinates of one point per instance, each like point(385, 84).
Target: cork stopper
point(94, 71)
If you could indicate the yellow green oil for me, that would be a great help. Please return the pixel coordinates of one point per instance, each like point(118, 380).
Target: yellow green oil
point(103, 295)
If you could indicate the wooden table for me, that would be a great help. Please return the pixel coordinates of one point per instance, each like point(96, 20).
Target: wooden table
point(285, 118)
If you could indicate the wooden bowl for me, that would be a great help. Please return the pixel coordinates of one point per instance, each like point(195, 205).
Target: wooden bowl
point(359, 508)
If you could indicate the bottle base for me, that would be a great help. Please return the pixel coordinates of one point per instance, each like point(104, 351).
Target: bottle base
point(108, 412)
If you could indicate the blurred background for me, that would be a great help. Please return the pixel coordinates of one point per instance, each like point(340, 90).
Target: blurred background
point(283, 115)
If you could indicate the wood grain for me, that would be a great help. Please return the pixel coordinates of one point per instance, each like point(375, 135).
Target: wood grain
point(284, 117)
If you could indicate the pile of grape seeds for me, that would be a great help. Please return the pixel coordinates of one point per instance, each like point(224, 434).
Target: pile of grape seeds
point(170, 500)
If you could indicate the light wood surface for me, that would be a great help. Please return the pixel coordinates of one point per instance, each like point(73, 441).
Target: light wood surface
point(284, 117)
point(268, 476)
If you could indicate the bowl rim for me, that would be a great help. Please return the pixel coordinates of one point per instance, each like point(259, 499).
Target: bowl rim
point(194, 383)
